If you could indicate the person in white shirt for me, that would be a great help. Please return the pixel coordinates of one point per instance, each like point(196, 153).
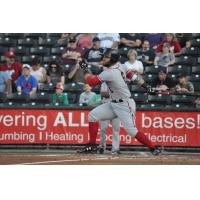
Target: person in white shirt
point(109, 40)
point(134, 64)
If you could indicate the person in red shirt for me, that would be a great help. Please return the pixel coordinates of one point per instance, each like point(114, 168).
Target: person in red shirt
point(173, 42)
point(72, 53)
point(13, 67)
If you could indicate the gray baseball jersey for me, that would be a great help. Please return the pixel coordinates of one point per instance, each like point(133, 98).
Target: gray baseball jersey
point(115, 78)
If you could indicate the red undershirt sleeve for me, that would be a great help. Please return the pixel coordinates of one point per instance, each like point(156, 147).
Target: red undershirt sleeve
point(93, 80)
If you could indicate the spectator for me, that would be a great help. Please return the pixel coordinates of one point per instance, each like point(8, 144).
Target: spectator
point(88, 97)
point(165, 58)
point(75, 74)
point(5, 82)
point(134, 64)
point(72, 53)
point(38, 71)
point(59, 97)
point(26, 83)
point(146, 54)
point(65, 37)
point(85, 41)
point(109, 40)
point(184, 86)
point(55, 73)
point(163, 82)
point(173, 42)
point(133, 40)
point(188, 45)
point(13, 67)
point(154, 39)
point(95, 54)
point(197, 102)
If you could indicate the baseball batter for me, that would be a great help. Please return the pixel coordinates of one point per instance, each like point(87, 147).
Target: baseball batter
point(121, 104)
point(105, 123)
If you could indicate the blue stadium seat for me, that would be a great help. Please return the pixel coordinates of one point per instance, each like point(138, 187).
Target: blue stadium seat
point(34, 35)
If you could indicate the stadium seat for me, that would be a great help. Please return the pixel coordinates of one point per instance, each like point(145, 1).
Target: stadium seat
point(137, 89)
point(194, 78)
point(180, 105)
point(20, 50)
point(160, 98)
point(19, 98)
point(73, 99)
point(95, 69)
point(41, 51)
point(152, 105)
point(62, 43)
point(196, 69)
point(54, 35)
point(149, 77)
point(3, 50)
point(47, 42)
point(152, 69)
point(34, 35)
point(57, 50)
point(7, 42)
point(50, 88)
point(179, 69)
point(28, 59)
point(48, 59)
point(41, 98)
point(14, 35)
point(2, 97)
point(139, 98)
point(28, 42)
point(186, 99)
point(195, 42)
point(123, 51)
point(173, 76)
point(185, 60)
point(195, 35)
point(73, 87)
point(193, 51)
point(196, 86)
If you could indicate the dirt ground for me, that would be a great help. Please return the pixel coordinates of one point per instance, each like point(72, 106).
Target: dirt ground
point(73, 158)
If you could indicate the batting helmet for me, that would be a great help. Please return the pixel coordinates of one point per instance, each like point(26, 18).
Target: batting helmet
point(113, 55)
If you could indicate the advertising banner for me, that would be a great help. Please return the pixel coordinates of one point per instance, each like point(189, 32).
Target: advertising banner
point(71, 127)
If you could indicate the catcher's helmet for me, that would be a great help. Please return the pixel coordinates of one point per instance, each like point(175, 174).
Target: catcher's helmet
point(114, 56)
